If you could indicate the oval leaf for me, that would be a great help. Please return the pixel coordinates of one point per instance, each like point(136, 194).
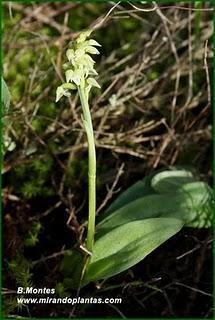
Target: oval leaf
point(170, 180)
point(185, 205)
point(128, 244)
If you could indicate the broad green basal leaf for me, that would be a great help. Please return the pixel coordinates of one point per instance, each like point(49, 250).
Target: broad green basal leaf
point(161, 181)
point(128, 244)
point(185, 204)
point(146, 207)
point(170, 180)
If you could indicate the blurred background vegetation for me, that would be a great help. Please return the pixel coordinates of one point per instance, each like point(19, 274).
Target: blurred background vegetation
point(153, 111)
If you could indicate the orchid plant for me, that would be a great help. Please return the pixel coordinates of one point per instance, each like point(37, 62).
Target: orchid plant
point(79, 73)
point(144, 216)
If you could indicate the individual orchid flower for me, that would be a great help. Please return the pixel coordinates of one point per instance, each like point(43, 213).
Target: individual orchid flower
point(63, 90)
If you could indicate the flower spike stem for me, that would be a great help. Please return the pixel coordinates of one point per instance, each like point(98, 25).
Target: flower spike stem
point(91, 166)
point(79, 74)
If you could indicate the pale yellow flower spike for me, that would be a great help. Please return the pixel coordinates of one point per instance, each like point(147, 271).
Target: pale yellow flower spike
point(79, 74)
point(80, 66)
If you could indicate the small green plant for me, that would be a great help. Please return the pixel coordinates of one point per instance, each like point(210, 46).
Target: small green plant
point(19, 269)
point(79, 75)
point(140, 219)
point(33, 234)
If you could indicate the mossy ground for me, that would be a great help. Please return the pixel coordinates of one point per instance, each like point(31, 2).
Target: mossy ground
point(153, 111)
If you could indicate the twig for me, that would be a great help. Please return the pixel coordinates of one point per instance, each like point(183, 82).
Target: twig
point(101, 21)
point(117, 149)
point(208, 88)
point(47, 212)
point(190, 79)
point(193, 289)
point(164, 19)
point(186, 9)
point(164, 145)
point(111, 190)
point(188, 252)
point(40, 17)
point(51, 256)
point(141, 9)
point(190, 89)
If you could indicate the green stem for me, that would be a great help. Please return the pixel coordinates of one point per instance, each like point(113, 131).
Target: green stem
point(87, 121)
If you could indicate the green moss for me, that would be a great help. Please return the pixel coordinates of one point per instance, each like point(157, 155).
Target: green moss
point(48, 110)
point(9, 305)
point(130, 24)
point(19, 270)
point(153, 75)
point(78, 168)
point(39, 125)
point(9, 22)
point(33, 234)
point(12, 71)
point(31, 189)
point(36, 91)
point(33, 178)
point(81, 18)
point(46, 31)
point(18, 87)
point(26, 60)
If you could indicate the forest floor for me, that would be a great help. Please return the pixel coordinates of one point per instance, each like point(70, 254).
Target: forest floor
point(153, 111)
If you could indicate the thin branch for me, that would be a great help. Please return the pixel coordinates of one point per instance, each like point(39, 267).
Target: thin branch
point(193, 289)
point(111, 190)
point(141, 9)
point(51, 256)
